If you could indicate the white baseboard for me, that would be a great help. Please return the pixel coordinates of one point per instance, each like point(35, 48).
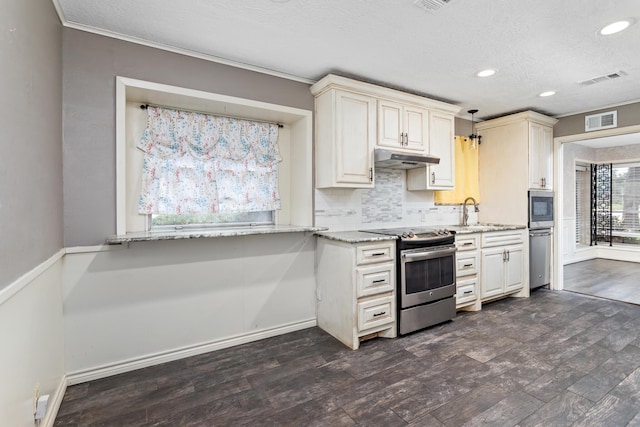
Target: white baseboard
point(180, 353)
point(619, 253)
point(54, 403)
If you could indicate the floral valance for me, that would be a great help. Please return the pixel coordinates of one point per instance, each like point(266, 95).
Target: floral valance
point(198, 163)
point(175, 133)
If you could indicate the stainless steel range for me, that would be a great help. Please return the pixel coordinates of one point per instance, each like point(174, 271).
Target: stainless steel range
point(426, 276)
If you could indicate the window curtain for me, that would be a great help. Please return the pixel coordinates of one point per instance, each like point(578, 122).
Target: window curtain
point(197, 163)
point(466, 167)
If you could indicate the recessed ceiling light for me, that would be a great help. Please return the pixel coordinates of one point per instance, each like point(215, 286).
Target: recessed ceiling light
point(486, 73)
point(548, 93)
point(615, 27)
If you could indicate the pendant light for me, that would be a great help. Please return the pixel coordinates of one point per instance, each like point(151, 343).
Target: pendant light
point(475, 138)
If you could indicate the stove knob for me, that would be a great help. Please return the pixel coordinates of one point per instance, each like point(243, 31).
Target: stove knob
point(412, 235)
point(405, 235)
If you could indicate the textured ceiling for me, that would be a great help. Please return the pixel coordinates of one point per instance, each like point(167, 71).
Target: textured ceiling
point(535, 45)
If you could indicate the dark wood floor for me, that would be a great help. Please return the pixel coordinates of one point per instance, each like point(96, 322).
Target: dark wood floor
point(555, 359)
point(616, 280)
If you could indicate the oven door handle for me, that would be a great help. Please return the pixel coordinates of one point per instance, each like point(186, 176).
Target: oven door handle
point(436, 253)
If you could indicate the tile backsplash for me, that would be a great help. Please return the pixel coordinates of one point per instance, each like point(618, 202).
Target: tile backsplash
point(389, 204)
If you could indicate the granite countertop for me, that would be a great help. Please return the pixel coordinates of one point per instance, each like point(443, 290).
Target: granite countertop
point(147, 236)
point(363, 236)
point(483, 228)
point(354, 236)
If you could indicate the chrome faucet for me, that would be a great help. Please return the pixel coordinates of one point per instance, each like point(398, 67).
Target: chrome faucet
point(465, 213)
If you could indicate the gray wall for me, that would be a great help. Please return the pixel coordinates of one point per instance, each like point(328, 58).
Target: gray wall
point(90, 66)
point(463, 127)
point(30, 136)
point(628, 115)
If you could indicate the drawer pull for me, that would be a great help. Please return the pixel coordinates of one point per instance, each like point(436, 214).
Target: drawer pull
point(379, 254)
point(467, 244)
point(379, 281)
point(467, 292)
point(382, 313)
point(468, 265)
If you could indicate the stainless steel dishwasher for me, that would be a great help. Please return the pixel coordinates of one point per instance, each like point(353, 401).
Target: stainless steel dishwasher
point(539, 257)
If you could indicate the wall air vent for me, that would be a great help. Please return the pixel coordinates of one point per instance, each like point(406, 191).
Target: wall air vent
point(601, 121)
point(603, 78)
point(430, 5)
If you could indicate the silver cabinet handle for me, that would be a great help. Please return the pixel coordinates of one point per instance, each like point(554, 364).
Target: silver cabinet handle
point(379, 254)
point(467, 292)
point(504, 255)
point(433, 177)
point(467, 244)
point(371, 174)
point(379, 281)
point(468, 265)
point(508, 256)
point(379, 314)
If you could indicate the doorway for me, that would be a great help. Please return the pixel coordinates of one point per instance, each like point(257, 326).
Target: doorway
point(599, 197)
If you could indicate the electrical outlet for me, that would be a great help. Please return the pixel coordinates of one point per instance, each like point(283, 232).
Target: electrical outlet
point(41, 407)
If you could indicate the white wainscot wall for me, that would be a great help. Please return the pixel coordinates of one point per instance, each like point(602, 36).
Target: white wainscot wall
point(150, 302)
point(31, 336)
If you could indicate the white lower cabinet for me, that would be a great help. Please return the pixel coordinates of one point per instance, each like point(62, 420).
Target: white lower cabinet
point(356, 284)
point(502, 265)
point(467, 272)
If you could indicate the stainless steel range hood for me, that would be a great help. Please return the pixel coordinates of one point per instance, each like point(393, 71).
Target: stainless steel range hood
point(394, 160)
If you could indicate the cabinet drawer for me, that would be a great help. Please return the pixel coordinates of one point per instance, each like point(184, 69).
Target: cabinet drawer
point(466, 290)
point(467, 242)
point(467, 263)
point(381, 252)
point(501, 238)
point(375, 279)
point(376, 312)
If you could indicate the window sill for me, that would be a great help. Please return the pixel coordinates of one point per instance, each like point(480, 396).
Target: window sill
point(150, 236)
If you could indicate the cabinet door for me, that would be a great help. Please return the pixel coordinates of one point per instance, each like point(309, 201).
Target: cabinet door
point(356, 130)
point(540, 157)
point(442, 175)
point(416, 128)
point(390, 128)
point(514, 271)
point(493, 269)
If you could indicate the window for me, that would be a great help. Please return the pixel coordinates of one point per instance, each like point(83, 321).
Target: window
point(201, 169)
point(583, 195)
point(294, 143)
point(616, 203)
point(197, 221)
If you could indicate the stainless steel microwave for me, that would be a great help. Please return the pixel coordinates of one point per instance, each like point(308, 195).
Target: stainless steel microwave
point(540, 209)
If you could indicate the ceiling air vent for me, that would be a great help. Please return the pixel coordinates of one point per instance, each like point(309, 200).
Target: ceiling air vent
point(603, 78)
point(601, 121)
point(430, 5)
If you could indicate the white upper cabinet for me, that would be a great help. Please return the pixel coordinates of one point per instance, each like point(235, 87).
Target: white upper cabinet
point(540, 157)
point(441, 139)
point(442, 175)
point(352, 118)
point(402, 127)
point(345, 136)
point(516, 155)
